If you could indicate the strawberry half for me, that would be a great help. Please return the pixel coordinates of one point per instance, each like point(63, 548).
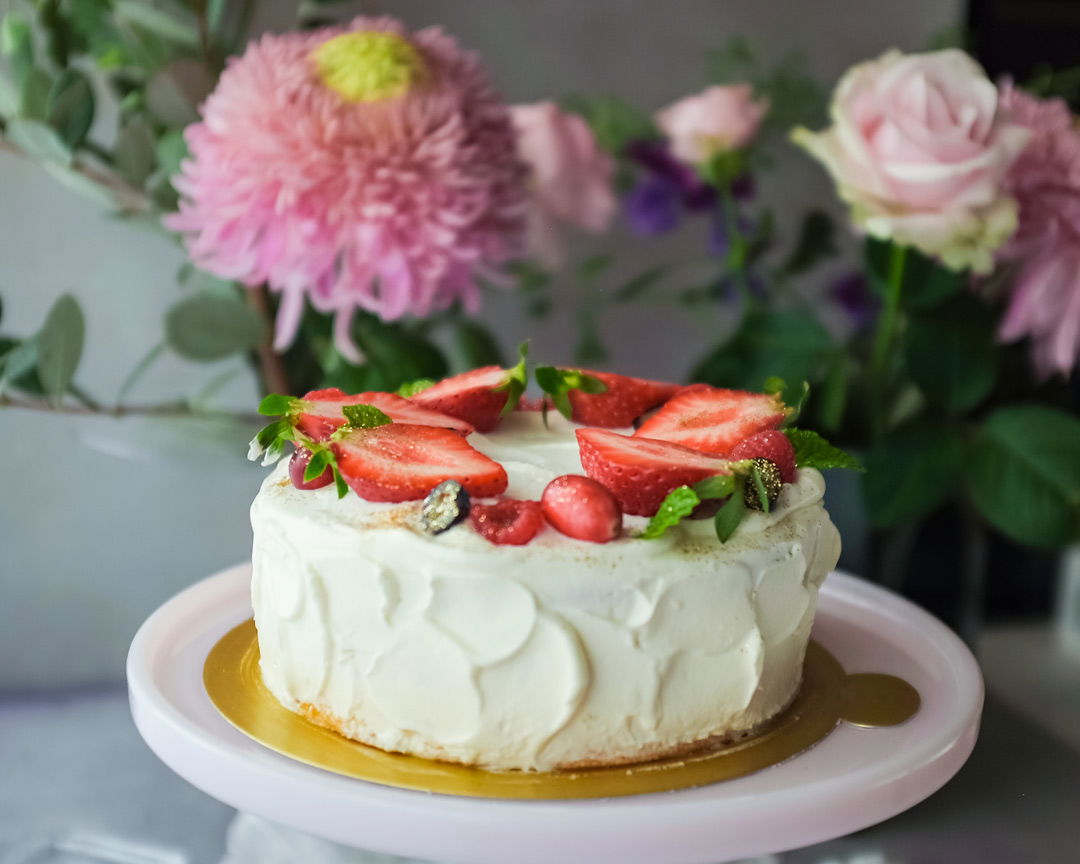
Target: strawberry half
point(772, 444)
point(323, 414)
point(471, 396)
point(403, 462)
point(714, 420)
point(641, 471)
point(622, 403)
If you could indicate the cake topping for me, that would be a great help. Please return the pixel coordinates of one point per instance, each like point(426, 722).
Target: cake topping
point(623, 400)
point(445, 506)
point(509, 522)
point(403, 462)
point(479, 397)
point(582, 508)
point(298, 471)
point(772, 444)
point(323, 411)
point(762, 485)
point(714, 420)
point(641, 471)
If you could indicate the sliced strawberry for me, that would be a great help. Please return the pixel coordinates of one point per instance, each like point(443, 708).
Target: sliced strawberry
point(641, 471)
point(772, 444)
point(323, 414)
point(509, 522)
point(622, 403)
point(403, 462)
point(470, 396)
point(713, 420)
point(582, 508)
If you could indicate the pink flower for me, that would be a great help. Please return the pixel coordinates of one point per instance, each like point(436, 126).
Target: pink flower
point(919, 152)
point(569, 176)
point(715, 120)
point(355, 167)
point(1045, 294)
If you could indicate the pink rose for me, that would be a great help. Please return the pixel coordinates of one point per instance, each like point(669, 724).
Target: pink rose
point(717, 119)
point(570, 178)
point(919, 152)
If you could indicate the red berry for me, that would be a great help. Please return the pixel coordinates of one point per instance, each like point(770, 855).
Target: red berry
point(470, 396)
point(622, 403)
point(509, 522)
point(581, 508)
point(403, 462)
point(773, 445)
point(323, 416)
point(713, 420)
point(298, 465)
point(640, 471)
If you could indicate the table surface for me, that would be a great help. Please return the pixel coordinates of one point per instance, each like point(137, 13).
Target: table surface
point(73, 764)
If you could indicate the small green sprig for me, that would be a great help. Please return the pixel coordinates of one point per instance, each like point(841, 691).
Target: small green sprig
point(411, 388)
point(558, 383)
point(269, 442)
point(813, 451)
point(683, 501)
point(517, 378)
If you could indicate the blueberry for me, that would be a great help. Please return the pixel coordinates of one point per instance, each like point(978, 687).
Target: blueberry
point(445, 506)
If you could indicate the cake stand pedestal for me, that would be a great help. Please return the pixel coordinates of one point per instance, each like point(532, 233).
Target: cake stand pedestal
point(852, 779)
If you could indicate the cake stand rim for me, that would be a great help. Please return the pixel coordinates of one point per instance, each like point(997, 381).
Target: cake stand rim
point(188, 748)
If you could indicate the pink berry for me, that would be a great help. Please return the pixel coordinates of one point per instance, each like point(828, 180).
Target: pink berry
point(772, 445)
point(298, 464)
point(508, 522)
point(582, 508)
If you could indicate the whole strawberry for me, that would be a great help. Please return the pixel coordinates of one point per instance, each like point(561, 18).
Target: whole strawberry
point(771, 444)
point(582, 508)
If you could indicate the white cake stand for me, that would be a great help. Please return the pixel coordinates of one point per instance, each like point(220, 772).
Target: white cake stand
point(852, 779)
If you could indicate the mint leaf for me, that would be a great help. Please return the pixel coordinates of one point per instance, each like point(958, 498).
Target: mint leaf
point(276, 404)
point(517, 377)
point(411, 388)
point(719, 486)
point(559, 382)
point(364, 416)
point(813, 451)
point(731, 514)
point(678, 504)
point(317, 464)
point(339, 483)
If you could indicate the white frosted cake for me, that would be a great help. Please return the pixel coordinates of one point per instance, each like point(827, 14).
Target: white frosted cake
point(553, 654)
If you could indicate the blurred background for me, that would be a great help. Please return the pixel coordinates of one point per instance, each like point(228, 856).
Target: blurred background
point(104, 517)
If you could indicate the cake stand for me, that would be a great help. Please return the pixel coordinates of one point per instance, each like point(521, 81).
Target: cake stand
point(854, 778)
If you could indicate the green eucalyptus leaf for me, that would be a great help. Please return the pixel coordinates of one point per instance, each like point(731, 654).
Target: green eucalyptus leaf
point(175, 23)
point(60, 345)
point(171, 150)
point(34, 95)
point(729, 516)
point(70, 107)
point(205, 327)
point(17, 44)
point(911, 472)
point(951, 351)
point(9, 98)
point(676, 506)
point(38, 141)
point(20, 365)
point(1024, 474)
point(135, 151)
point(176, 90)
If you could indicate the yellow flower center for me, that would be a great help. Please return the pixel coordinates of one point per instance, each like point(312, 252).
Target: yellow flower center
point(369, 66)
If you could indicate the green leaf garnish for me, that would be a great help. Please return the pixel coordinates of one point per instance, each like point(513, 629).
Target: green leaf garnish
point(269, 442)
point(759, 488)
point(364, 416)
point(678, 504)
point(317, 464)
point(339, 483)
point(517, 377)
point(731, 514)
point(719, 486)
point(277, 404)
point(813, 451)
point(557, 383)
point(411, 388)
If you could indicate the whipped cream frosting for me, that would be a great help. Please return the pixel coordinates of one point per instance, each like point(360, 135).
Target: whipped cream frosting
point(553, 654)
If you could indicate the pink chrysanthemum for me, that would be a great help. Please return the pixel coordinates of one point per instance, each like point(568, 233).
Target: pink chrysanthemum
point(1044, 302)
point(360, 167)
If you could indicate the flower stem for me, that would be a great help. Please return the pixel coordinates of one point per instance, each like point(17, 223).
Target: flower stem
point(737, 243)
point(271, 370)
point(884, 338)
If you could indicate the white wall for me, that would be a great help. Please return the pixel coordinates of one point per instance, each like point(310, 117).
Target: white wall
point(90, 542)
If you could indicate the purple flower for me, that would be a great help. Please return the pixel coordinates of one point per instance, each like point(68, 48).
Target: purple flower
point(657, 160)
point(852, 293)
point(652, 207)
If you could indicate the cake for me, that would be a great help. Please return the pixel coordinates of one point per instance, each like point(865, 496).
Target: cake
point(553, 653)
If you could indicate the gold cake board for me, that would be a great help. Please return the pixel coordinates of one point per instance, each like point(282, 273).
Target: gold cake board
point(828, 696)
